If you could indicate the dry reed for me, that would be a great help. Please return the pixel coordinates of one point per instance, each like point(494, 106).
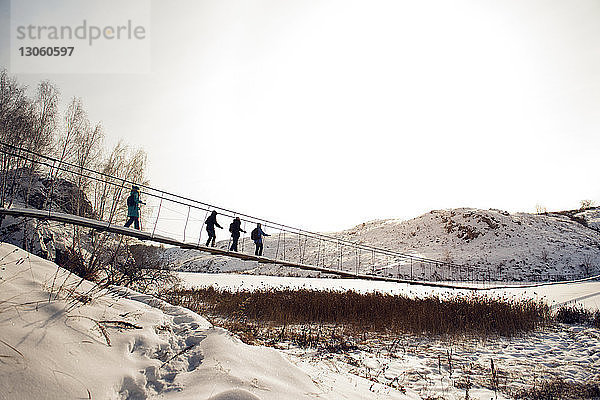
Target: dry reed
point(376, 312)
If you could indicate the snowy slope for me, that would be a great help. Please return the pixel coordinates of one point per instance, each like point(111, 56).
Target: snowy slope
point(516, 246)
point(62, 338)
point(591, 216)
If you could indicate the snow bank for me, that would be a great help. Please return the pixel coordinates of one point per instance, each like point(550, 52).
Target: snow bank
point(62, 337)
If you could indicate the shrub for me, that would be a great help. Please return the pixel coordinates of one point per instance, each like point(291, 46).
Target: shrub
point(575, 314)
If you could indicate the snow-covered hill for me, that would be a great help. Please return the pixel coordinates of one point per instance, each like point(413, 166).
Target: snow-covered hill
point(516, 246)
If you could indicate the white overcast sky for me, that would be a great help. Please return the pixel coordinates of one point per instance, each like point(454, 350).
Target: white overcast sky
point(328, 113)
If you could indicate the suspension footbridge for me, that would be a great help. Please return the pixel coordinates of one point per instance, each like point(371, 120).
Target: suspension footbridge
point(176, 220)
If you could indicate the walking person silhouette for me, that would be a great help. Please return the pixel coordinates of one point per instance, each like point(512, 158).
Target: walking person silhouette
point(235, 228)
point(211, 222)
point(257, 235)
point(133, 208)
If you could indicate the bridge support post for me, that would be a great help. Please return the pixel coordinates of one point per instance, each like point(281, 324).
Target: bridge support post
point(157, 215)
point(186, 222)
point(373, 262)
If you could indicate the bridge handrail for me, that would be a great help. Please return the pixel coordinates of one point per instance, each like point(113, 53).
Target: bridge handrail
point(185, 201)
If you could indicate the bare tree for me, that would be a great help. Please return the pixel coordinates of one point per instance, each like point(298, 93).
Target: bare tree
point(45, 115)
point(122, 165)
point(585, 204)
point(588, 265)
point(75, 123)
point(16, 121)
point(16, 124)
point(33, 127)
point(41, 139)
point(109, 195)
point(86, 153)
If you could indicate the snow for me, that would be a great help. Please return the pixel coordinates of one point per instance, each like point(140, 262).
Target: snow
point(591, 216)
point(420, 366)
point(434, 367)
point(515, 245)
point(61, 337)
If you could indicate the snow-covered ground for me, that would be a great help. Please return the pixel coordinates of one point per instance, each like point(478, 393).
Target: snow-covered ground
point(62, 337)
point(431, 366)
point(435, 368)
point(591, 217)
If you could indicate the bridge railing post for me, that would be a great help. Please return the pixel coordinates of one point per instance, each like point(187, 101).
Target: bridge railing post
point(229, 239)
point(373, 262)
point(186, 222)
point(284, 252)
point(157, 215)
point(115, 204)
point(299, 248)
point(202, 228)
point(243, 238)
point(278, 243)
point(318, 252)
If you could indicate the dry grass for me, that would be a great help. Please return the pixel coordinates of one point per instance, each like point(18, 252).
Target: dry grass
point(371, 312)
point(325, 338)
point(560, 389)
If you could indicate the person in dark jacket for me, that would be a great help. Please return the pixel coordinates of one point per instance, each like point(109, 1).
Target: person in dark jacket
point(211, 222)
point(133, 208)
point(257, 235)
point(235, 228)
